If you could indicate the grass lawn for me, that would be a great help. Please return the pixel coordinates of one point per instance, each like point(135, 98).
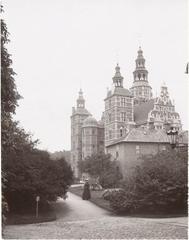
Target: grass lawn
point(96, 197)
point(30, 217)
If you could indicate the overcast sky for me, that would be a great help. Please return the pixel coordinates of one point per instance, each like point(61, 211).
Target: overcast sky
point(58, 46)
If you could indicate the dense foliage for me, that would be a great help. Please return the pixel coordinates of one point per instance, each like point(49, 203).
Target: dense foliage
point(27, 171)
point(102, 167)
point(35, 174)
point(9, 98)
point(158, 184)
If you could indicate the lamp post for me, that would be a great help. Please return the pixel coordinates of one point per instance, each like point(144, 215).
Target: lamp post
point(172, 133)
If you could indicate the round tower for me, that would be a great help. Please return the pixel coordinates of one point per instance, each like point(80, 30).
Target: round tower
point(89, 137)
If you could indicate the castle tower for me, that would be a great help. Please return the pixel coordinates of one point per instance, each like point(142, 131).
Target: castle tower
point(141, 89)
point(89, 137)
point(79, 114)
point(118, 115)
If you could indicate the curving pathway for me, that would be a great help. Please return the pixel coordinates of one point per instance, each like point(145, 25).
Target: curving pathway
point(78, 219)
point(74, 208)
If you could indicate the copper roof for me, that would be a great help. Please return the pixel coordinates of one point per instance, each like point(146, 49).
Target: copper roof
point(141, 111)
point(183, 137)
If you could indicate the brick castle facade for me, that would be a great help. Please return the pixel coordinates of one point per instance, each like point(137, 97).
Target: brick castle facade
point(128, 112)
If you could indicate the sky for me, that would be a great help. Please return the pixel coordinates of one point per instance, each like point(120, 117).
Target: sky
point(60, 46)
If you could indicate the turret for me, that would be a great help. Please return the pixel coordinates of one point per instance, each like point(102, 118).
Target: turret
point(80, 100)
point(117, 79)
point(141, 89)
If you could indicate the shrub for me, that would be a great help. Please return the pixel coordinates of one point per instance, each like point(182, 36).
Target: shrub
point(158, 184)
point(108, 193)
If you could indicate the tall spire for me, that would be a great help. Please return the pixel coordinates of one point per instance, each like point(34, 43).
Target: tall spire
point(80, 100)
point(117, 79)
point(141, 88)
point(140, 72)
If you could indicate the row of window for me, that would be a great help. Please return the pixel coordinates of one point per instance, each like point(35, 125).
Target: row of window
point(142, 92)
point(138, 150)
point(121, 101)
point(123, 117)
point(140, 77)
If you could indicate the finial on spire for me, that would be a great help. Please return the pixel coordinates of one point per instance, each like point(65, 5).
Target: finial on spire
point(80, 94)
point(117, 68)
point(80, 100)
point(118, 79)
point(140, 51)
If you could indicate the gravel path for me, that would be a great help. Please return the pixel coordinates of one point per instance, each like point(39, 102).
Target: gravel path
point(82, 219)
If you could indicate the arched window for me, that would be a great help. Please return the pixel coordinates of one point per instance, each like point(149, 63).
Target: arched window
point(121, 131)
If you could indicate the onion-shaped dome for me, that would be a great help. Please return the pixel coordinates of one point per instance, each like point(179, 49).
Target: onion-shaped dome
point(90, 122)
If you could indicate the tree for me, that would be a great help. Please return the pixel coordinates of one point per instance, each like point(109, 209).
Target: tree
point(158, 184)
point(27, 171)
point(101, 166)
point(9, 93)
point(9, 101)
point(35, 174)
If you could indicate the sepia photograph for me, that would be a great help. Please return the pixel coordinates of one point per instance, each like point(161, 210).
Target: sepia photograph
point(94, 119)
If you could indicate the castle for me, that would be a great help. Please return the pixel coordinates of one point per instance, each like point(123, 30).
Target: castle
point(133, 122)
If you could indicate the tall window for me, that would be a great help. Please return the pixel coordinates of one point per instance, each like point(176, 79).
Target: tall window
point(121, 131)
point(137, 149)
point(123, 102)
point(163, 148)
point(123, 116)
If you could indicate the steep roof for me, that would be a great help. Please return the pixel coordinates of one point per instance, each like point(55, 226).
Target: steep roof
point(183, 137)
point(145, 136)
point(120, 91)
point(141, 111)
